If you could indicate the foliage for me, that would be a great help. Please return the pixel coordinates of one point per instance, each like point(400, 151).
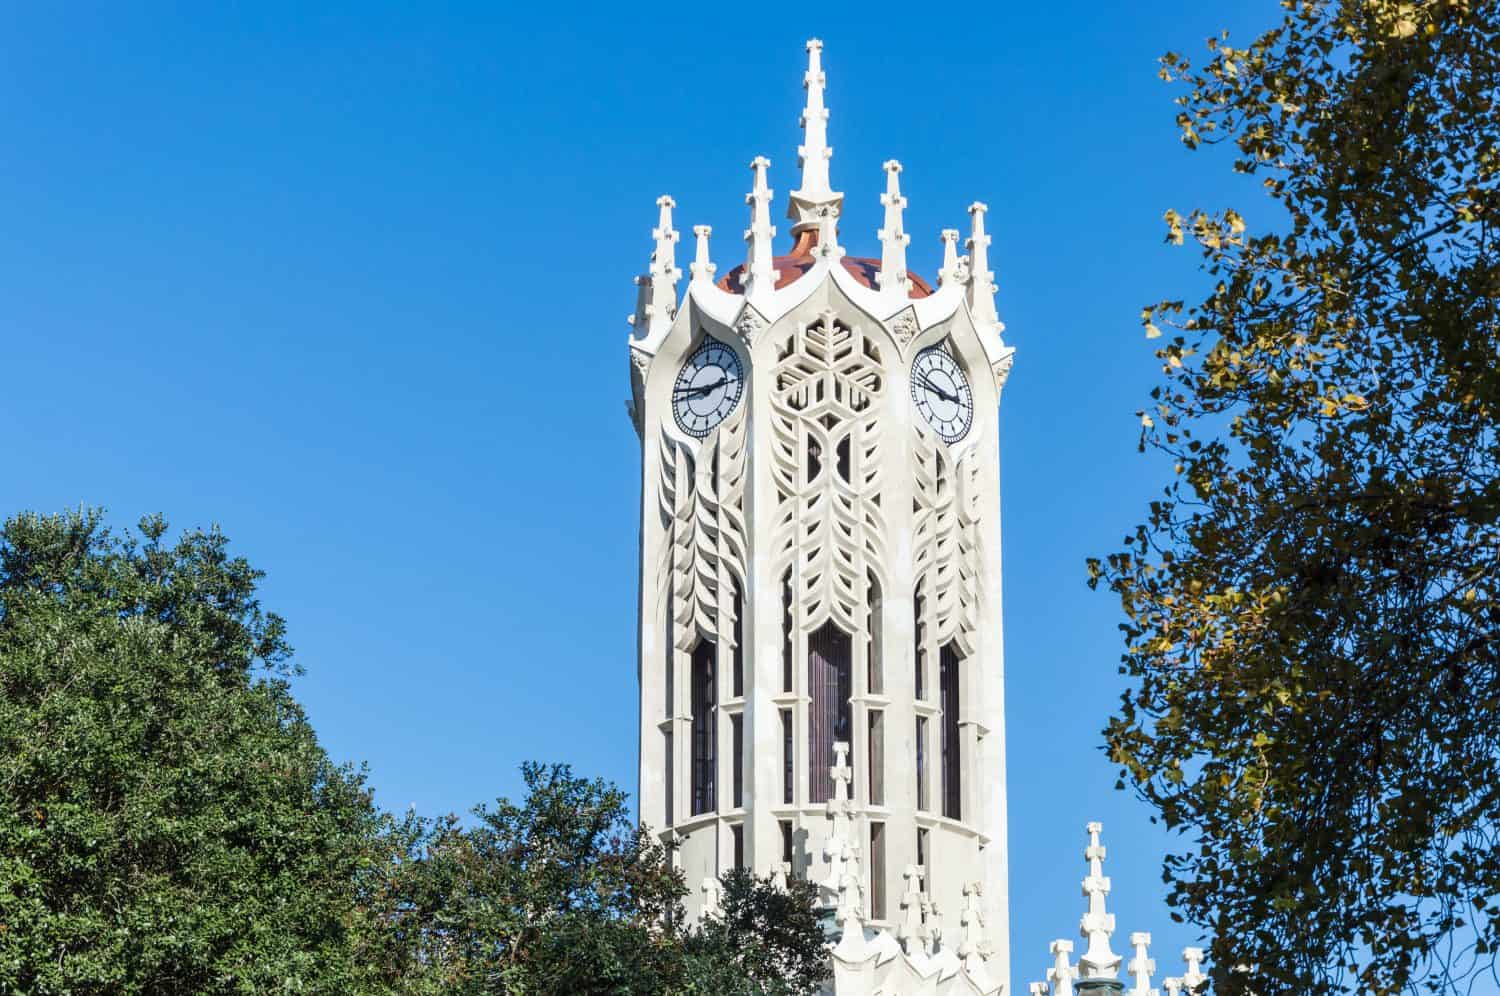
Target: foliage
point(766, 941)
point(168, 822)
point(561, 894)
point(1312, 626)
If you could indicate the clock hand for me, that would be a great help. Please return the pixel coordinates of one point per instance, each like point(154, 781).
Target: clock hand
point(694, 392)
point(939, 391)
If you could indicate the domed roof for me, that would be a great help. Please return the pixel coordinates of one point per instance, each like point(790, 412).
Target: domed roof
point(801, 259)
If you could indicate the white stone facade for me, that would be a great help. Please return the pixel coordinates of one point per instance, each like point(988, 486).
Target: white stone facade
point(800, 484)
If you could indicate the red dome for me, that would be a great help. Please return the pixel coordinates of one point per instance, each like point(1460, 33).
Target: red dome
point(800, 260)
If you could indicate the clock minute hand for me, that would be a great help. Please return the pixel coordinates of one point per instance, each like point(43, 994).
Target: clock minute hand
point(694, 392)
point(939, 391)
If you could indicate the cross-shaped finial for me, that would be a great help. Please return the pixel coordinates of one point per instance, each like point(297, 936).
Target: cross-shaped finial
point(1141, 966)
point(1193, 979)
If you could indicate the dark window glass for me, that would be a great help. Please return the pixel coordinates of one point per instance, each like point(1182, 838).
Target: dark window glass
point(921, 762)
point(829, 712)
point(786, 841)
point(669, 773)
point(739, 641)
point(918, 656)
point(877, 871)
point(705, 701)
point(786, 756)
point(874, 682)
point(876, 763)
point(948, 681)
point(786, 632)
point(737, 735)
point(738, 832)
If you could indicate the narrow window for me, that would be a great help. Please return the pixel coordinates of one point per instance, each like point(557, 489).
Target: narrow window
point(874, 682)
point(877, 871)
point(738, 833)
point(669, 706)
point(737, 740)
point(921, 762)
point(948, 679)
point(667, 737)
point(875, 742)
point(786, 841)
point(786, 756)
point(828, 714)
point(705, 753)
point(739, 641)
point(786, 631)
point(918, 655)
point(922, 849)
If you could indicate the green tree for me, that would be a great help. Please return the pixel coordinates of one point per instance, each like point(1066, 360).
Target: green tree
point(562, 894)
point(766, 941)
point(168, 821)
point(1311, 622)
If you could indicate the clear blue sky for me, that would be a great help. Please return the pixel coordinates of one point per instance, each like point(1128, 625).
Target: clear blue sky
point(352, 284)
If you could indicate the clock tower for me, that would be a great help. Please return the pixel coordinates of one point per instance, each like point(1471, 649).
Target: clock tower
point(820, 659)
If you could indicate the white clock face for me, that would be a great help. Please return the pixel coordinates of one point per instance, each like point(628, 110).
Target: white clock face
point(942, 394)
point(707, 388)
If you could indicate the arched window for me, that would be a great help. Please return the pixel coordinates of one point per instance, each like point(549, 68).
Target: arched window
point(829, 716)
point(705, 739)
point(949, 664)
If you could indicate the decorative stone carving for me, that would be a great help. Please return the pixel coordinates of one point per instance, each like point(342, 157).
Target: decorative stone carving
point(904, 328)
point(1001, 368)
point(750, 325)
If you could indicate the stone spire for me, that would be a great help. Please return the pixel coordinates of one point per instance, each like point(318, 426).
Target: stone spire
point(701, 267)
point(661, 296)
point(1172, 985)
point(1061, 975)
point(951, 270)
point(1037, 989)
point(760, 275)
point(893, 237)
point(839, 849)
point(1098, 962)
point(981, 280)
point(813, 154)
point(912, 931)
point(1141, 966)
point(1193, 979)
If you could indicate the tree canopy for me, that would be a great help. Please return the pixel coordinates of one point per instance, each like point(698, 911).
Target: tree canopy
point(1313, 640)
point(170, 825)
point(168, 822)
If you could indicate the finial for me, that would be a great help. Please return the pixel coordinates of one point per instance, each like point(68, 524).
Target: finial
point(1098, 962)
point(912, 931)
point(662, 305)
point(702, 269)
point(1172, 985)
point(760, 274)
point(1037, 989)
point(981, 280)
point(1193, 979)
point(1141, 966)
point(840, 850)
point(828, 235)
point(950, 271)
point(1061, 975)
point(813, 154)
point(893, 237)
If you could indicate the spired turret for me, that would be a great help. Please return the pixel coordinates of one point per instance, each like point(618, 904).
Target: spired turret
point(821, 668)
point(1097, 971)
